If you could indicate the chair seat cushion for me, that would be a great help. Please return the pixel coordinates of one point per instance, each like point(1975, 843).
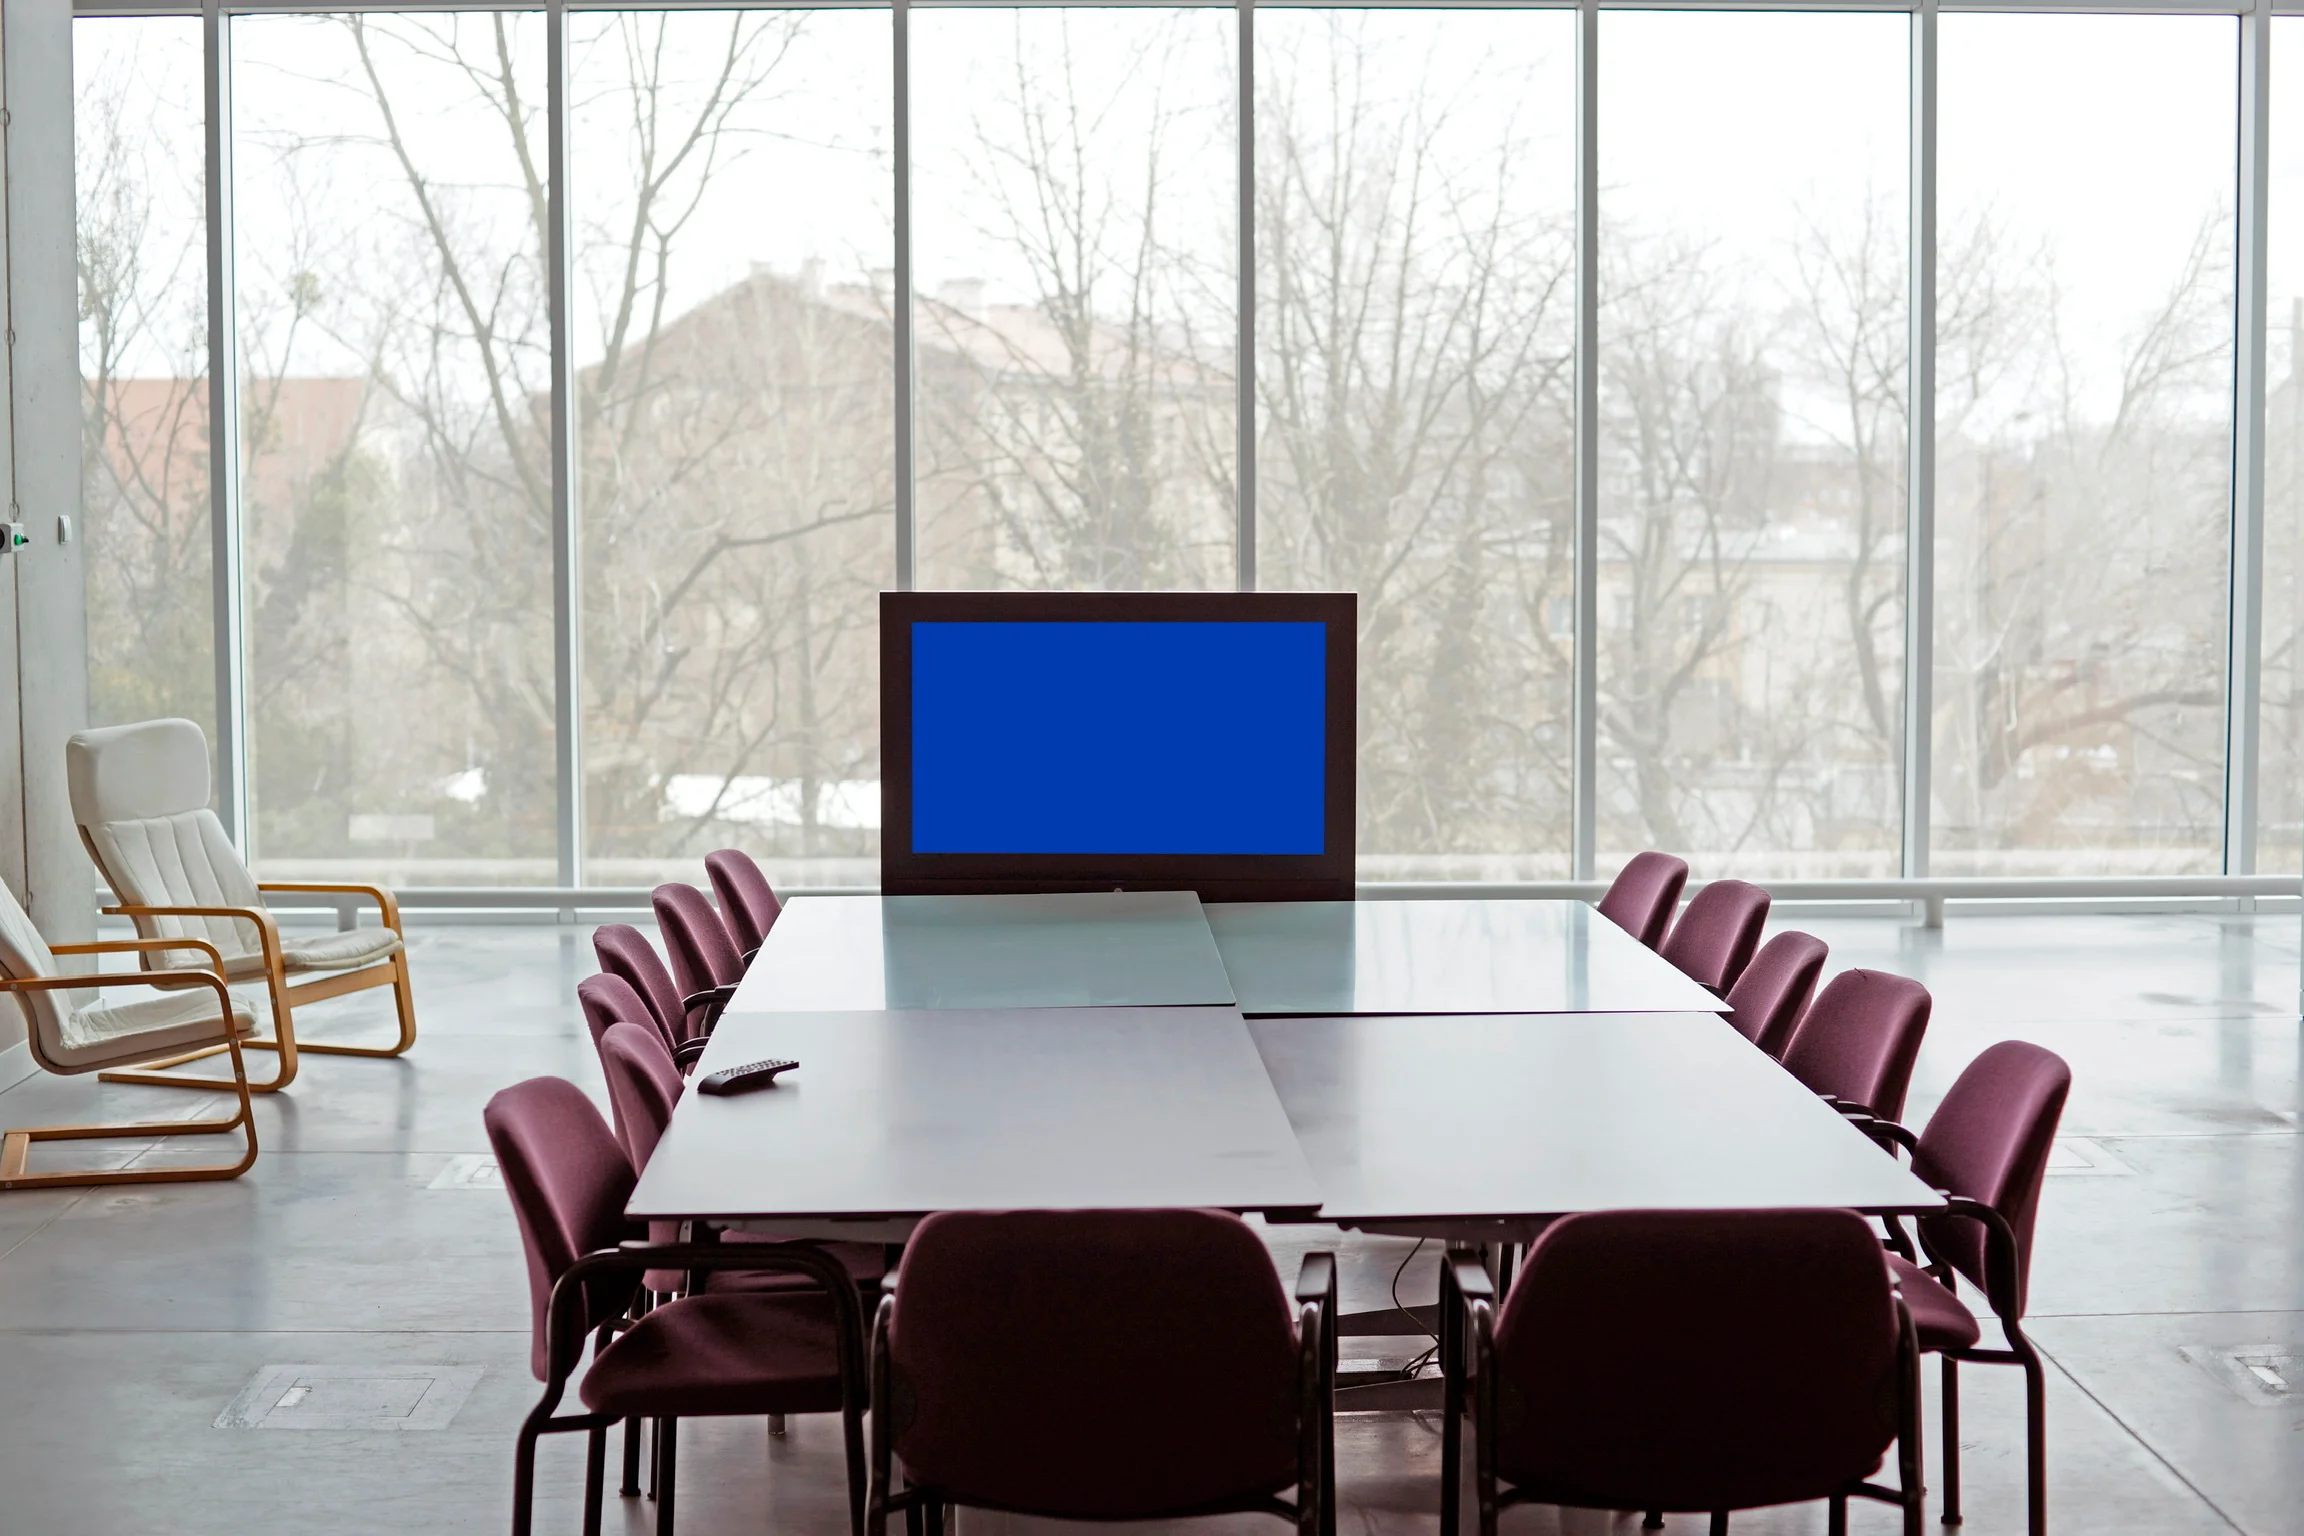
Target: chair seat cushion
point(107, 1033)
point(708, 1355)
point(322, 952)
point(1940, 1318)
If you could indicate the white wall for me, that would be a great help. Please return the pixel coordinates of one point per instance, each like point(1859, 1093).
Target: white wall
point(43, 609)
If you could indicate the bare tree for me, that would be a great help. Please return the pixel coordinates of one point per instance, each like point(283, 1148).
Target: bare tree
point(1413, 367)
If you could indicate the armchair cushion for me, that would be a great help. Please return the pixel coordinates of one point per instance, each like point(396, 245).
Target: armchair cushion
point(106, 1034)
point(79, 1029)
point(335, 951)
point(180, 860)
point(135, 772)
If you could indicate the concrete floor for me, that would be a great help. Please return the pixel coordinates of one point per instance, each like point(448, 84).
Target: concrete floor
point(368, 1250)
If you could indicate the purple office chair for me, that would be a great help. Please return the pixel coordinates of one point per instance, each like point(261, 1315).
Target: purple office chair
point(1767, 1001)
point(1987, 1147)
point(1100, 1365)
point(609, 999)
point(748, 904)
point(1685, 1360)
point(1643, 895)
point(705, 965)
point(644, 1086)
point(624, 951)
point(1715, 937)
point(704, 1356)
point(1858, 1041)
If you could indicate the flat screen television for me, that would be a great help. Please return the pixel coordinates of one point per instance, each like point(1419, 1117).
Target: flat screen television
point(1068, 741)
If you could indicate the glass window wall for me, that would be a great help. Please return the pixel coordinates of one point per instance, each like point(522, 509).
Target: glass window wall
point(395, 463)
point(1073, 196)
point(1752, 360)
point(2083, 442)
point(1415, 218)
point(143, 263)
point(1074, 178)
point(735, 394)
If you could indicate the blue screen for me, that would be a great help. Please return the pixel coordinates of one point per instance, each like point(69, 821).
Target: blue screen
point(1119, 738)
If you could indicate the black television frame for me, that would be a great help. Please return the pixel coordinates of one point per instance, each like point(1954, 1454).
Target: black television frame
point(1325, 876)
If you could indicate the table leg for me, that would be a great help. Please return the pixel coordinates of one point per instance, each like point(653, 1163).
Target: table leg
point(1451, 1330)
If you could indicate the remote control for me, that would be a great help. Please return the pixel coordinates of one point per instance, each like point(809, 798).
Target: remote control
point(758, 1074)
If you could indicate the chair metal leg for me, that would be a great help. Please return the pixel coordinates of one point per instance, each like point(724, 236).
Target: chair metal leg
point(595, 1475)
point(1653, 1520)
point(630, 1488)
point(776, 1425)
point(524, 1481)
point(1450, 1327)
point(1951, 1514)
point(655, 1454)
point(667, 1473)
point(2035, 1442)
point(852, 1442)
point(1333, 1346)
point(1719, 1522)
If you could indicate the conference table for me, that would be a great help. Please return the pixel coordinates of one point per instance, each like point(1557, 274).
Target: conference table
point(1462, 1070)
point(1454, 1070)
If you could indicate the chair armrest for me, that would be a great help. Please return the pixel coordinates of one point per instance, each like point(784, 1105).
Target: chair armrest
point(710, 997)
point(1470, 1276)
point(2003, 1262)
point(387, 905)
point(1888, 1133)
point(267, 931)
point(93, 980)
point(123, 946)
point(1316, 1280)
point(687, 1052)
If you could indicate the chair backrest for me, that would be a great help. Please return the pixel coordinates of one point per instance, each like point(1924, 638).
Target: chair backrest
point(1094, 1364)
point(25, 955)
point(702, 954)
point(568, 1181)
point(643, 1085)
point(1714, 939)
point(1989, 1140)
point(1768, 999)
point(748, 904)
point(140, 796)
point(607, 999)
point(1641, 898)
point(1697, 1359)
point(1859, 1040)
point(624, 951)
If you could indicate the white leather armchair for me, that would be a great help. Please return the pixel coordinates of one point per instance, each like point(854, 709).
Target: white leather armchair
point(140, 796)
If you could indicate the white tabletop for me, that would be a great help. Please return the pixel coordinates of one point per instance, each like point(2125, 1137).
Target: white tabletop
point(1496, 1117)
point(1106, 949)
point(1411, 956)
point(904, 1113)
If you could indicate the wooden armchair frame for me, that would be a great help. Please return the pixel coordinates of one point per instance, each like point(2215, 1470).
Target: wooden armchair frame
point(285, 996)
point(16, 1145)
